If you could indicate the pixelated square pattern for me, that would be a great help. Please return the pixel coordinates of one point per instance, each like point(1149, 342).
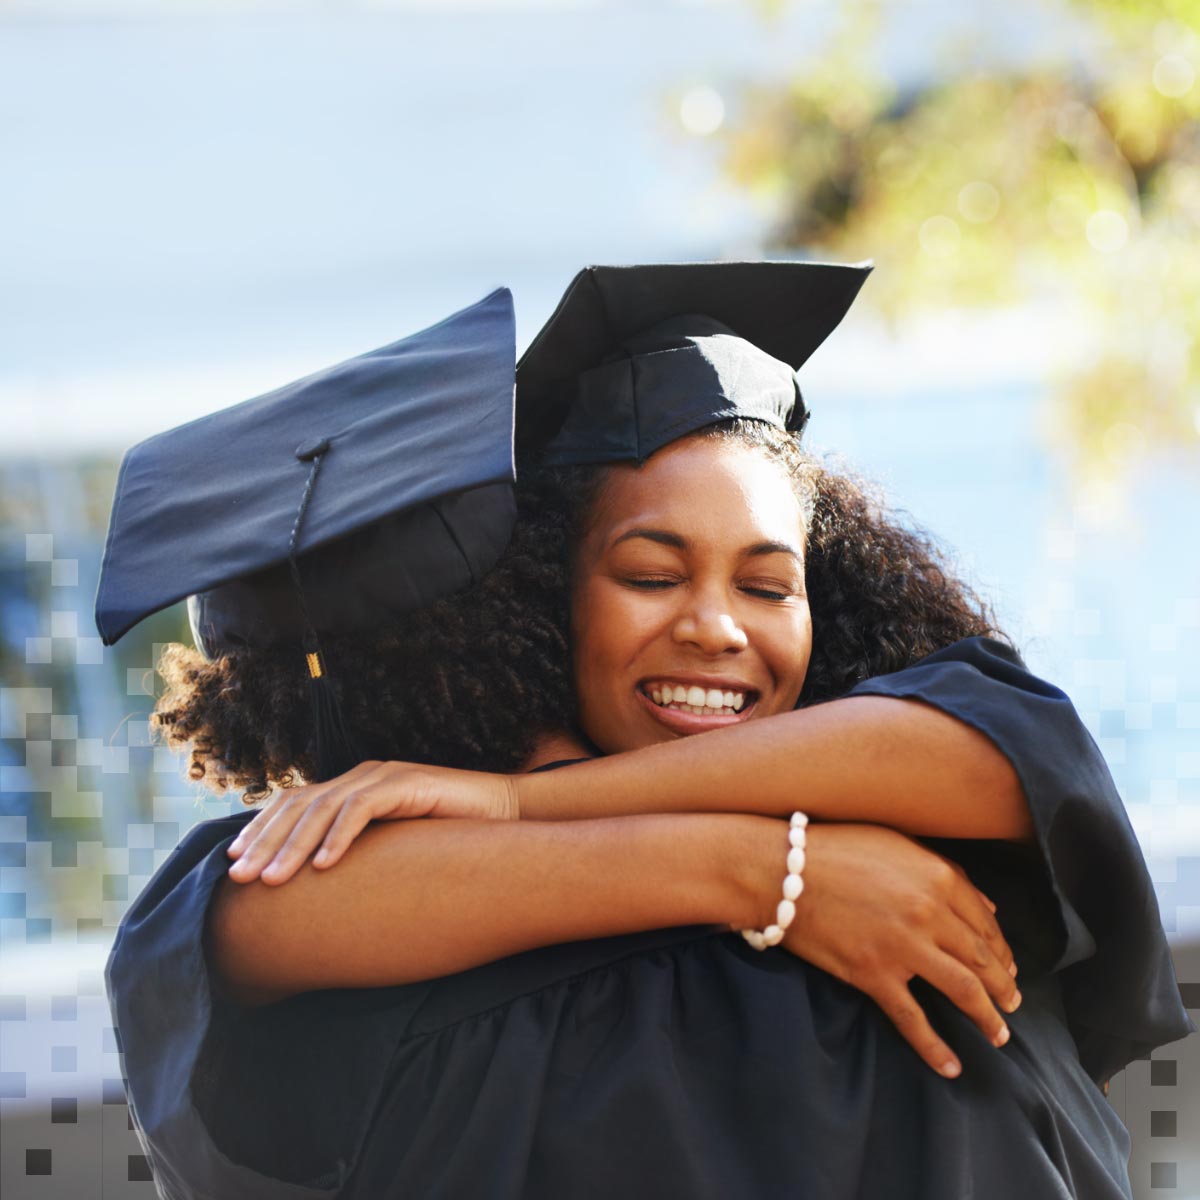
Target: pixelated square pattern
point(67, 1130)
point(1156, 1098)
point(89, 810)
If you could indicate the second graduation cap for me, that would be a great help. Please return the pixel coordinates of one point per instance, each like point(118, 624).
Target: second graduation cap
point(364, 490)
point(637, 356)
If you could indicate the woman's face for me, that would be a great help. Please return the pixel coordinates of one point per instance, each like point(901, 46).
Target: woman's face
point(689, 611)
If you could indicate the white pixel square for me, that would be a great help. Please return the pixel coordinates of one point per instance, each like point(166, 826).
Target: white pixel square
point(139, 681)
point(64, 727)
point(64, 572)
point(39, 547)
point(140, 835)
point(89, 651)
point(64, 623)
point(38, 650)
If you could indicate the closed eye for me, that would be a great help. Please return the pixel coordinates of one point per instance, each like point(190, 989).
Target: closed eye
point(651, 584)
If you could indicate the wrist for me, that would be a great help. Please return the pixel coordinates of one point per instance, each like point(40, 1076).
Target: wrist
point(509, 798)
point(529, 796)
point(759, 865)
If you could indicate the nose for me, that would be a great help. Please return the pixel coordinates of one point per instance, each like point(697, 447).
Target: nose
point(707, 623)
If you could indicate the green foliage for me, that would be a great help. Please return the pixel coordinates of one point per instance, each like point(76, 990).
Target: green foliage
point(1078, 182)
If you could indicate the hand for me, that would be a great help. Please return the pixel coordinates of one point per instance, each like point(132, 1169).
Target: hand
point(277, 842)
point(879, 908)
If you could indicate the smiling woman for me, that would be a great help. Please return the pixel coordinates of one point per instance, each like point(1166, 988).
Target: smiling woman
point(690, 611)
point(541, 993)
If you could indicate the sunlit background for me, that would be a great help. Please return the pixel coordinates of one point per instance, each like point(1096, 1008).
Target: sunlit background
point(200, 201)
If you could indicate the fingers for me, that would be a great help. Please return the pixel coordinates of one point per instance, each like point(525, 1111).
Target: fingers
point(962, 872)
point(300, 811)
point(257, 843)
point(349, 823)
point(307, 833)
point(976, 955)
point(964, 988)
point(272, 828)
point(253, 827)
point(973, 907)
point(909, 1018)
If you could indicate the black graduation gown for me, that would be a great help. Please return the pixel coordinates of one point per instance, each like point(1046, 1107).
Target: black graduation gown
point(679, 1062)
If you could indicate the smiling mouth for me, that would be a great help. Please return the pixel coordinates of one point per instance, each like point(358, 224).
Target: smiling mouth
point(669, 699)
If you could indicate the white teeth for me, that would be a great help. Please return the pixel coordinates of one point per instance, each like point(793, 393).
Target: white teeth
point(710, 702)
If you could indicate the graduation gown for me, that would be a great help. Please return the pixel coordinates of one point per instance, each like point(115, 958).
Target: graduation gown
point(679, 1062)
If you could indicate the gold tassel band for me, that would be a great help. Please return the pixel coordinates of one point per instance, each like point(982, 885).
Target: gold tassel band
point(314, 666)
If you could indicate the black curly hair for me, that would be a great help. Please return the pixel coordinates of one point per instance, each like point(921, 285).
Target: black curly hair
point(474, 680)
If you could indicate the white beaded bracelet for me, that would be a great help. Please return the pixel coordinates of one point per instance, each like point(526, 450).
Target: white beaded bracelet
point(793, 885)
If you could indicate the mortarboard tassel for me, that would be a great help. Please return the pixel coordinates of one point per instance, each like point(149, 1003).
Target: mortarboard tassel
point(336, 748)
point(337, 751)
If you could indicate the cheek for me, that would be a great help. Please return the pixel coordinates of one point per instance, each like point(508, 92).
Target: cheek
point(610, 627)
point(592, 624)
point(788, 648)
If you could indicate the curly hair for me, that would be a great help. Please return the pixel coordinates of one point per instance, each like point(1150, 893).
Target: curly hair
point(474, 680)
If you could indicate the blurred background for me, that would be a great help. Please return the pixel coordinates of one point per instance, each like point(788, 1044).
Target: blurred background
point(200, 201)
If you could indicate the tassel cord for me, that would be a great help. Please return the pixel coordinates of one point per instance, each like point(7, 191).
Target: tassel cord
point(336, 748)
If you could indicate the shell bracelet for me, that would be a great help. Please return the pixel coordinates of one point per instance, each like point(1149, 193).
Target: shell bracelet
point(793, 885)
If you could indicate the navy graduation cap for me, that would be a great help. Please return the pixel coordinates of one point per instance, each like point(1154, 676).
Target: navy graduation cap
point(366, 489)
point(634, 357)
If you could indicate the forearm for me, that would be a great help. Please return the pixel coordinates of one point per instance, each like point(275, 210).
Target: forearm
point(900, 763)
point(418, 899)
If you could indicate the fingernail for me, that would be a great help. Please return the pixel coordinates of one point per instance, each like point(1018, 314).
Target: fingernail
point(1012, 968)
point(951, 1069)
point(271, 870)
point(322, 857)
point(1002, 1036)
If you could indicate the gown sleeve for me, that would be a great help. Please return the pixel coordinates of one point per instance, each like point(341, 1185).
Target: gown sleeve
point(1080, 903)
point(210, 1083)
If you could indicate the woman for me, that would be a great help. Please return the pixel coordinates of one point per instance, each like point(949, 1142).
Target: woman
point(880, 1124)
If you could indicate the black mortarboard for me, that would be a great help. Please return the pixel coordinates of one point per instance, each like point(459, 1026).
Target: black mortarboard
point(366, 489)
point(635, 357)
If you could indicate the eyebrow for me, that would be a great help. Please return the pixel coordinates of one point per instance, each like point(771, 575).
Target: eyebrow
point(665, 538)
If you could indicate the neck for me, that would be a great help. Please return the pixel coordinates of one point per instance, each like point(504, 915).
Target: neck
point(554, 747)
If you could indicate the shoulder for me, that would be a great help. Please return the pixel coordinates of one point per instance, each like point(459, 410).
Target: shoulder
point(187, 878)
point(978, 660)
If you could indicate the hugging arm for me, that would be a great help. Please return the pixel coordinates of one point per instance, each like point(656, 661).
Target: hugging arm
point(1072, 878)
point(940, 749)
point(414, 900)
point(964, 744)
point(890, 761)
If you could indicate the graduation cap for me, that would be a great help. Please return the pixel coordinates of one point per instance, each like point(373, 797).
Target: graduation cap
point(326, 506)
point(634, 357)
